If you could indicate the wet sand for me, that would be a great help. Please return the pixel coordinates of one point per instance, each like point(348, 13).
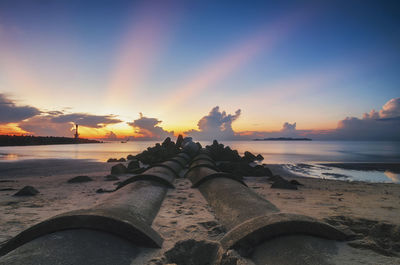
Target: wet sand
point(184, 213)
point(393, 167)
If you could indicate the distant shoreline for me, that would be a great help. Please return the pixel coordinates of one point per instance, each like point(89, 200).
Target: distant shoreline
point(13, 140)
point(283, 139)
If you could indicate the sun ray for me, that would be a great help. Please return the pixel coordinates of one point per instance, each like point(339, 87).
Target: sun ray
point(263, 40)
point(146, 36)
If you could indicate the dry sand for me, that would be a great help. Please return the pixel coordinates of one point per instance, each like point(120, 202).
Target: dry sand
point(184, 213)
point(322, 198)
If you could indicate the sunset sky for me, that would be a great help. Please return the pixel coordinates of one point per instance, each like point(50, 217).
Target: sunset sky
point(118, 68)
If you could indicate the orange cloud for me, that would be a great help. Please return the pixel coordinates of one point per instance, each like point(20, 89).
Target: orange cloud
point(11, 128)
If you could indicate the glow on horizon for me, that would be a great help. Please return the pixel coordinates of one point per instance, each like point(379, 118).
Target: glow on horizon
point(273, 93)
point(11, 129)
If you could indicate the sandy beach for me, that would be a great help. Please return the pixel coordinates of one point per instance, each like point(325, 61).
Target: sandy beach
point(199, 132)
point(185, 214)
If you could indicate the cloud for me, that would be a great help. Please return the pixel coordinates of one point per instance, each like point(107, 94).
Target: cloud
point(44, 126)
point(56, 123)
point(87, 120)
point(9, 112)
point(288, 130)
point(391, 109)
point(287, 127)
point(215, 125)
point(147, 129)
point(353, 128)
point(375, 125)
point(111, 136)
point(382, 125)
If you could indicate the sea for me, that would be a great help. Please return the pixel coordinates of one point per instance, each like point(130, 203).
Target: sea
point(300, 157)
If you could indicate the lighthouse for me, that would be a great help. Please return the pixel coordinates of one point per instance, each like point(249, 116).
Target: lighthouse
point(76, 131)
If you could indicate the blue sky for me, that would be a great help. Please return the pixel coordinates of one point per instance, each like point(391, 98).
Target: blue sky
point(314, 62)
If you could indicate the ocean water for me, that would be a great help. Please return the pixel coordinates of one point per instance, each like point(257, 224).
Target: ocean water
point(277, 152)
point(290, 153)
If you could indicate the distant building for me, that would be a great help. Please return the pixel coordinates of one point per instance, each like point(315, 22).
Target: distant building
point(76, 131)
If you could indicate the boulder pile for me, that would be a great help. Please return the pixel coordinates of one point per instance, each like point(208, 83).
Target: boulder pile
point(157, 153)
point(231, 162)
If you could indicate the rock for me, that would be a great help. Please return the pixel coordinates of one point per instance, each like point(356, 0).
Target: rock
point(179, 141)
point(281, 183)
point(220, 153)
point(118, 169)
point(27, 191)
point(80, 179)
point(166, 142)
point(239, 168)
point(134, 164)
point(242, 168)
point(122, 159)
point(208, 224)
point(156, 261)
point(103, 191)
point(192, 252)
point(216, 231)
point(158, 153)
point(335, 175)
point(137, 171)
point(112, 160)
point(231, 257)
point(275, 177)
point(249, 157)
point(261, 171)
point(259, 157)
point(110, 178)
point(295, 182)
point(130, 157)
point(199, 145)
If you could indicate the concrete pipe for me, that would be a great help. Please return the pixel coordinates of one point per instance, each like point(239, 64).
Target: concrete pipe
point(202, 157)
point(199, 174)
point(174, 166)
point(123, 219)
point(184, 156)
point(164, 173)
point(251, 219)
point(182, 161)
point(202, 163)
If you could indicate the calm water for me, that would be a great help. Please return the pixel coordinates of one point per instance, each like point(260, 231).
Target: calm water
point(274, 152)
point(280, 152)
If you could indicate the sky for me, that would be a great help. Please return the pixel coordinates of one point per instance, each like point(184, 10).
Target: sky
point(225, 69)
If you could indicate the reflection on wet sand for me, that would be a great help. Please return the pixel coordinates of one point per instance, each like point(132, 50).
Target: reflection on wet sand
point(393, 176)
